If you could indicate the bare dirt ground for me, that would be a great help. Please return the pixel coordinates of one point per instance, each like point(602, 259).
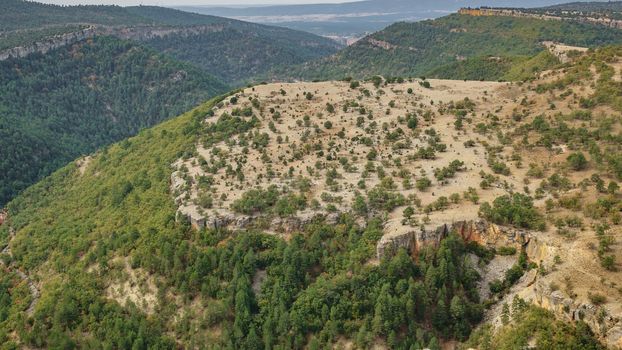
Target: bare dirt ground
point(133, 285)
point(293, 106)
point(83, 164)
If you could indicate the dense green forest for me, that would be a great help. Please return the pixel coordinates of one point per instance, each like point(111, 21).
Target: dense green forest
point(58, 106)
point(18, 14)
point(234, 51)
point(234, 55)
point(438, 46)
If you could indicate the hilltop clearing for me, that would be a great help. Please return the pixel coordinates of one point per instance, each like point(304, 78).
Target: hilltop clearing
point(430, 157)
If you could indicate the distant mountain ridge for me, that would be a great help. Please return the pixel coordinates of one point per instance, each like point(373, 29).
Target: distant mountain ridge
point(231, 50)
point(349, 18)
point(595, 6)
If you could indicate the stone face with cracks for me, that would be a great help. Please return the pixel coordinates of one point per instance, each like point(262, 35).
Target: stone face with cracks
point(607, 327)
point(479, 231)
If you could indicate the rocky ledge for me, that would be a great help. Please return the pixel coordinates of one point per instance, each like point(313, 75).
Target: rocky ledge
point(480, 231)
point(607, 327)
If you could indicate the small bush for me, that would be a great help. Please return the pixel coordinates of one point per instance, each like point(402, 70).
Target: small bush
point(506, 251)
point(597, 299)
point(577, 161)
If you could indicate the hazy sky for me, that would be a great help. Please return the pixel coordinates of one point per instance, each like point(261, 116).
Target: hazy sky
point(186, 2)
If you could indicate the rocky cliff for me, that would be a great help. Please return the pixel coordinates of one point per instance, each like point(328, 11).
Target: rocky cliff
point(533, 287)
point(3, 216)
point(605, 325)
point(480, 231)
point(127, 33)
point(50, 43)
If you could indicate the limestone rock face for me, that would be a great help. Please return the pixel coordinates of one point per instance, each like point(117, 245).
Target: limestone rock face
point(480, 231)
point(135, 33)
point(177, 185)
point(44, 46)
point(3, 215)
point(388, 245)
point(605, 326)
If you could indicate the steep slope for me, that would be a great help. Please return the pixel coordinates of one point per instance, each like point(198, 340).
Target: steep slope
point(51, 113)
point(413, 49)
point(322, 215)
point(231, 50)
point(74, 100)
point(20, 14)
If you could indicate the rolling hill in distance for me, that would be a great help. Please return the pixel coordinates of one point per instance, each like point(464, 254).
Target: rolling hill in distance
point(350, 19)
point(229, 49)
point(454, 46)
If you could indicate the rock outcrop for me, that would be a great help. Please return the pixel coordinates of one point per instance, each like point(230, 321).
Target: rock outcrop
point(10, 265)
point(3, 215)
point(480, 231)
point(48, 44)
point(142, 33)
point(605, 326)
point(233, 221)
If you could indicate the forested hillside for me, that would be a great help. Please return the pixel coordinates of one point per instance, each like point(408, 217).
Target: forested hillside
point(107, 243)
point(19, 14)
point(238, 55)
point(72, 101)
point(234, 51)
point(421, 48)
point(395, 212)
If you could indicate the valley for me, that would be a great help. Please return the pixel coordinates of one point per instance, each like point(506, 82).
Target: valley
point(191, 58)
